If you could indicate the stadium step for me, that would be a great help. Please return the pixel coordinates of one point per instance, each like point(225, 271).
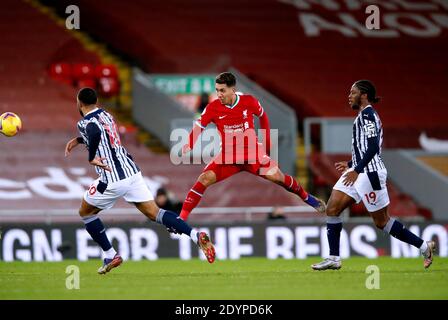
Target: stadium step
point(302, 170)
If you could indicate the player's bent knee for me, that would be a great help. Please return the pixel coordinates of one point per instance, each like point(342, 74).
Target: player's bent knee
point(275, 176)
point(380, 218)
point(87, 211)
point(207, 178)
point(333, 211)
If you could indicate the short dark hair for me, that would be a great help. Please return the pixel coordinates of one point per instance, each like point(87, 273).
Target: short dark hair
point(162, 192)
point(366, 86)
point(226, 78)
point(87, 96)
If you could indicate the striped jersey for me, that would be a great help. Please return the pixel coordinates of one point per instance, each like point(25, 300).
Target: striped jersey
point(367, 129)
point(116, 157)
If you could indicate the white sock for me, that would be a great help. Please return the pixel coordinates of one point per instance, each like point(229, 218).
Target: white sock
point(110, 254)
point(424, 247)
point(194, 235)
point(335, 258)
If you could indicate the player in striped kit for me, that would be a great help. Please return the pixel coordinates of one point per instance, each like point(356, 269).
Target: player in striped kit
point(119, 177)
point(364, 178)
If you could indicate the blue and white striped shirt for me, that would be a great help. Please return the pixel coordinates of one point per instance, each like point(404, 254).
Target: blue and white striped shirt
point(367, 133)
point(109, 147)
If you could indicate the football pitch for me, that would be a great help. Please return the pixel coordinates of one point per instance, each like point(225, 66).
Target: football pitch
point(248, 278)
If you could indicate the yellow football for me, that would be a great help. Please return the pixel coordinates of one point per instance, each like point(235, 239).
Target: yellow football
point(10, 124)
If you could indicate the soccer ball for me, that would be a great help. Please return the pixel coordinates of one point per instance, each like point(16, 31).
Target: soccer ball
point(10, 124)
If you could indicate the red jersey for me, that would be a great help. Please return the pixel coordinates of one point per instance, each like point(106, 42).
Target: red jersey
point(235, 124)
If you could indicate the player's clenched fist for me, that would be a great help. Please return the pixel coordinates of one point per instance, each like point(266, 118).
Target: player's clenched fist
point(70, 145)
point(341, 166)
point(99, 163)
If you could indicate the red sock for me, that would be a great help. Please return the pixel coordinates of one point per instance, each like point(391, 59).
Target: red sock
point(293, 186)
point(192, 199)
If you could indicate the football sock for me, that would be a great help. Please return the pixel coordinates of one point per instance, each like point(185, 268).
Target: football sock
point(171, 220)
point(334, 228)
point(312, 201)
point(397, 230)
point(97, 231)
point(194, 235)
point(110, 254)
point(192, 199)
point(424, 247)
point(293, 186)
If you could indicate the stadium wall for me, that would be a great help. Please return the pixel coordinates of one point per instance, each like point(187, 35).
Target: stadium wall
point(152, 109)
point(426, 185)
point(138, 241)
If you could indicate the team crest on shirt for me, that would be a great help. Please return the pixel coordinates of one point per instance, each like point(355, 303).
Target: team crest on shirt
point(245, 114)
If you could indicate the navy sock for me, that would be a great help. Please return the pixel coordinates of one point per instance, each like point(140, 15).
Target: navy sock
point(312, 201)
point(97, 231)
point(334, 228)
point(399, 231)
point(171, 220)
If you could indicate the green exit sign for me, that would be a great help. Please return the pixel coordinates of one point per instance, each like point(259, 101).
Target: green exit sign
point(184, 84)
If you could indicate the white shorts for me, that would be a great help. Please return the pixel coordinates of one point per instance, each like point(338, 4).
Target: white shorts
point(132, 189)
point(369, 187)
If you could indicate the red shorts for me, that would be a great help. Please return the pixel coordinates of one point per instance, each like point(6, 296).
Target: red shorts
point(257, 167)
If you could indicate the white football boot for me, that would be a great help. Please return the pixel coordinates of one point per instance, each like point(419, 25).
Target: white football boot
point(331, 263)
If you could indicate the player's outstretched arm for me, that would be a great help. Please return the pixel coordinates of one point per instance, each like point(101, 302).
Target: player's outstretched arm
point(71, 144)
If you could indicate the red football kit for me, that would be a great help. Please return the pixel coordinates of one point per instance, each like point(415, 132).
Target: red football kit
point(240, 149)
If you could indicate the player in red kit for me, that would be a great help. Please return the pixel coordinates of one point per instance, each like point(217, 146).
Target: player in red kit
point(233, 114)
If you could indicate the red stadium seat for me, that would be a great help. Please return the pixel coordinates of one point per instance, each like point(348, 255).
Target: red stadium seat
point(91, 83)
point(62, 72)
point(108, 87)
point(83, 71)
point(106, 70)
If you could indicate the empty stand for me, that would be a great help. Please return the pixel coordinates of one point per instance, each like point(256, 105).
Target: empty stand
point(266, 41)
point(438, 163)
point(31, 42)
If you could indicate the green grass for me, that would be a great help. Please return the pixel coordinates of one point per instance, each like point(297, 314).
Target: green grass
point(249, 278)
